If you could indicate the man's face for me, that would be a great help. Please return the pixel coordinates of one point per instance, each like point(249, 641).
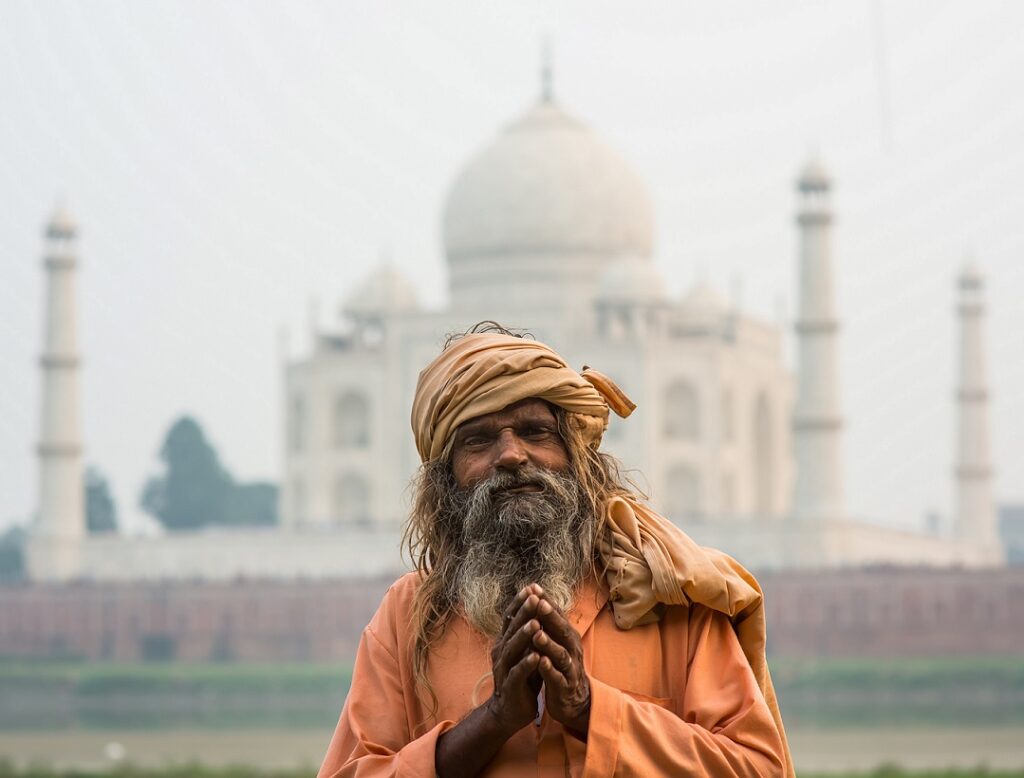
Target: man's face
point(524, 433)
point(520, 512)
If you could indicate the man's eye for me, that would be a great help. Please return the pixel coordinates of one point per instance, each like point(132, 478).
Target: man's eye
point(538, 432)
point(475, 441)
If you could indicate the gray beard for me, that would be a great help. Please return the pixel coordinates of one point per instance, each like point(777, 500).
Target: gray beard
point(511, 540)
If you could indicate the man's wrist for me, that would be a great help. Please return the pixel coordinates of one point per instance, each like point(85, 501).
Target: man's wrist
point(580, 723)
point(493, 721)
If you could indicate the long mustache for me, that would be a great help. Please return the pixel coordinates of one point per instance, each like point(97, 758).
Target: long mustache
point(511, 538)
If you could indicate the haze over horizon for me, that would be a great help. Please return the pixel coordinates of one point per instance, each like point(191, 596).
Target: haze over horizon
point(225, 167)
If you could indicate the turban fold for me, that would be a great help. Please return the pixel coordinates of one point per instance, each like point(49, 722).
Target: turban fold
point(485, 372)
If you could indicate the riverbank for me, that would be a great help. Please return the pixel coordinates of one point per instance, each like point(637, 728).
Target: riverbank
point(297, 752)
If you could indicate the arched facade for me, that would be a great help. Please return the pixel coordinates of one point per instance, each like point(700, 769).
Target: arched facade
point(351, 421)
point(681, 419)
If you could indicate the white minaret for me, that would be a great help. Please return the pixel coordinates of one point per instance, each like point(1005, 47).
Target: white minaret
point(817, 424)
point(975, 517)
point(53, 549)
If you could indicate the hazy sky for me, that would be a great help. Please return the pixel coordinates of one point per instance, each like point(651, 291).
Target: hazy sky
point(227, 161)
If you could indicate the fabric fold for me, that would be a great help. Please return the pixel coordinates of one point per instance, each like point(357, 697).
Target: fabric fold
point(650, 563)
point(485, 372)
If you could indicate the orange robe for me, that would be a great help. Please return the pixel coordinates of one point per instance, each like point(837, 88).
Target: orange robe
point(675, 697)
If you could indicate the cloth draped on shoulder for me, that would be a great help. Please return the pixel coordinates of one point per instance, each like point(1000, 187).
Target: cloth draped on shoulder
point(650, 563)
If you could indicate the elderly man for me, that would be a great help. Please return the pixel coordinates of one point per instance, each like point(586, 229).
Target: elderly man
point(554, 625)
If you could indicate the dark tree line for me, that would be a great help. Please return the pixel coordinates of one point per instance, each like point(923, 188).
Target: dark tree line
point(196, 490)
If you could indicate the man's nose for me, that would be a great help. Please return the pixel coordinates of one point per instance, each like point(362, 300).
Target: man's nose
point(511, 454)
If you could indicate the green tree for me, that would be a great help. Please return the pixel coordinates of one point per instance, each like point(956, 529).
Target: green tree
point(12, 555)
point(196, 490)
point(252, 504)
point(100, 510)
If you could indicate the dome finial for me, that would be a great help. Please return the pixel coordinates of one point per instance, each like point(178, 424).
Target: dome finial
point(546, 75)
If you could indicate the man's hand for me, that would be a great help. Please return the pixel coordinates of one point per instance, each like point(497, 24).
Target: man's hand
point(465, 749)
point(515, 662)
point(566, 688)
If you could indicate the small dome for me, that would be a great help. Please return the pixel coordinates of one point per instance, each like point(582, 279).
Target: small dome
point(814, 176)
point(547, 184)
point(384, 290)
point(631, 280)
point(61, 224)
point(702, 299)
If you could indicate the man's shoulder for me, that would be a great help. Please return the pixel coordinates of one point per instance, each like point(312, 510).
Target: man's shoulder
point(404, 587)
point(397, 602)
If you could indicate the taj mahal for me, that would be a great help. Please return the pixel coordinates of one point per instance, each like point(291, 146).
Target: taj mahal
point(548, 229)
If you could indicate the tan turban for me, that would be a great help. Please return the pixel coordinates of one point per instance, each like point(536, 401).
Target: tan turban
point(650, 562)
point(485, 372)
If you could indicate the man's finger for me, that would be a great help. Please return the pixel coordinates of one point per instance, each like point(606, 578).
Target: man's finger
point(513, 650)
point(558, 655)
point(556, 683)
point(558, 627)
point(520, 673)
point(513, 607)
point(525, 611)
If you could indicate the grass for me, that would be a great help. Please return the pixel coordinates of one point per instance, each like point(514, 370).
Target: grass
point(972, 691)
point(800, 674)
point(833, 693)
point(146, 676)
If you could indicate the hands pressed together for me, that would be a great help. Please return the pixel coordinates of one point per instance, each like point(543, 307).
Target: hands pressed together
point(538, 647)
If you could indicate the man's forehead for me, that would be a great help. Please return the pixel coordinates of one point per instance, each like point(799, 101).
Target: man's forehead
point(530, 408)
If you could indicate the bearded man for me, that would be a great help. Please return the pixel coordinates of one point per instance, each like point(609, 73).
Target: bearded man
point(555, 625)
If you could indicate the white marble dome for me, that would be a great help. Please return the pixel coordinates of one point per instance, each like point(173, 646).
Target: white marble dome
point(384, 290)
point(547, 185)
point(703, 299)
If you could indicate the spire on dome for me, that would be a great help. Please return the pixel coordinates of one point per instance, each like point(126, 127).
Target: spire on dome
point(546, 74)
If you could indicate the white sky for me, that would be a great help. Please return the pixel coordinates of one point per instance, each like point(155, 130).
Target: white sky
point(226, 161)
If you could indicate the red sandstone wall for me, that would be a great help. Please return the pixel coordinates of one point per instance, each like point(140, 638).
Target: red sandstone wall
point(895, 612)
point(840, 613)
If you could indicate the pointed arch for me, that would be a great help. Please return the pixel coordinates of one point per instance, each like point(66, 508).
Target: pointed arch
point(351, 420)
point(681, 412)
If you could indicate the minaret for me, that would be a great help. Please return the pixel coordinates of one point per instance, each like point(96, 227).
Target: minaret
point(60, 525)
point(975, 517)
point(817, 424)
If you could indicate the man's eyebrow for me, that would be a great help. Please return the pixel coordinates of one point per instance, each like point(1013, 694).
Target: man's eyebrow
point(474, 425)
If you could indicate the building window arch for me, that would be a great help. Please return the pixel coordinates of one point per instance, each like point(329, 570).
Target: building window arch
point(681, 416)
point(682, 492)
point(351, 499)
point(763, 457)
point(351, 420)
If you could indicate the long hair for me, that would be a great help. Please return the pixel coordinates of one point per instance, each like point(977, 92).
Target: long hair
point(432, 536)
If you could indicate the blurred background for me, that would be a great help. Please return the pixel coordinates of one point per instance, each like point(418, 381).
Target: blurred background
point(233, 234)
